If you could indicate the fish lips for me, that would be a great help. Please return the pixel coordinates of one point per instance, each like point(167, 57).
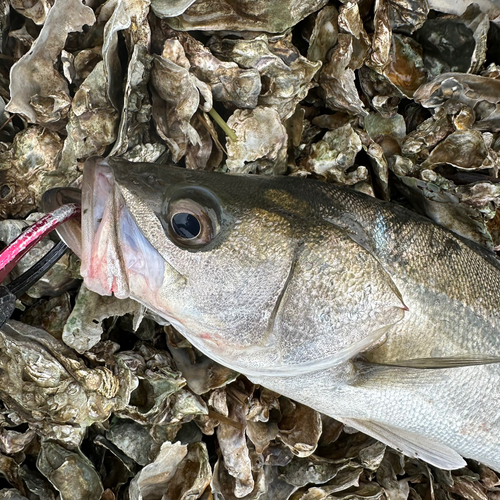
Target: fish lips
point(116, 257)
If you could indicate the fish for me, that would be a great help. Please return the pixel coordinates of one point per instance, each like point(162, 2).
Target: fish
point(358, 308)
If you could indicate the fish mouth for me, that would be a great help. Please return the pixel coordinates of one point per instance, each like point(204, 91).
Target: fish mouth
point(103, 267)
point(116, 257)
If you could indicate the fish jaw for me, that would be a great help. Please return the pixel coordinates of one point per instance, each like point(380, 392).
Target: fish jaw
point(116, 257)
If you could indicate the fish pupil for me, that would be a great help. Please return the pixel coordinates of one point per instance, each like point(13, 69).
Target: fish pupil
point(186, 225)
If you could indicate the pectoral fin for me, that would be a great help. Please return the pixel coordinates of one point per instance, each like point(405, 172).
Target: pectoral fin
point(329, 361)
point(410, 443)
point(441, 363)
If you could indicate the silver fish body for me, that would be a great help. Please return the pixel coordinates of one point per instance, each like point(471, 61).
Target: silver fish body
point(313, 291)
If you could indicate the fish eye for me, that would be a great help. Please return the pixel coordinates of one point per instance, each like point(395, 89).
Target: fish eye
point(191, 224)
point(186, 225)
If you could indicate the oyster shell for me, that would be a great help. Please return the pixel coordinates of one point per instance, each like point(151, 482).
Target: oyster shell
point(391, 97)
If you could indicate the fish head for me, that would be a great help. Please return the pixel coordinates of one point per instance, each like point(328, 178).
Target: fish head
point(243, 266)
point(200, 250)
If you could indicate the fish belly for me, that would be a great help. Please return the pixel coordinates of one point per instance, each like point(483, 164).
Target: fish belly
point(457, 408)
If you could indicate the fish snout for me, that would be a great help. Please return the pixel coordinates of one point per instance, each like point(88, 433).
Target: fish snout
point(116, 257)
point(103, 267)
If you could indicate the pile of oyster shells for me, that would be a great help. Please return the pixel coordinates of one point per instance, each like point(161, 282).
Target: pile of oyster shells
point(399, 99)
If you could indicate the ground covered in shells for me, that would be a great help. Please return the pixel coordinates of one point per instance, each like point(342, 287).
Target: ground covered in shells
point(399, 99)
